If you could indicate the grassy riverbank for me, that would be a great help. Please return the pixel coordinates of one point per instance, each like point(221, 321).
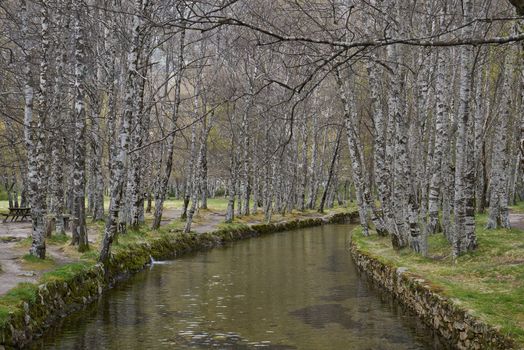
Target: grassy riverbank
point(489, 283)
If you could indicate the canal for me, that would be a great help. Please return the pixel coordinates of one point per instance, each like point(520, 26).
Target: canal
point(291, 290)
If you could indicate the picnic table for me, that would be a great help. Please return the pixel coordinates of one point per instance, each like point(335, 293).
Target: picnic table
point(17, 214)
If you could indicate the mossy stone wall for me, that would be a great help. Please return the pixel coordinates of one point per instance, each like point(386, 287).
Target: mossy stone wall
point(457, 326)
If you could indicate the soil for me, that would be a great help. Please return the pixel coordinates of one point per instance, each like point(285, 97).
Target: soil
point(516, 220)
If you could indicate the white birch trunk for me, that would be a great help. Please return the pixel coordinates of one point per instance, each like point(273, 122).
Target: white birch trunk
point(313, 164)
point(441, 139)
point(33, 132)
point(464, 238)
point(498, 202)
point(57, 142)
point(79, 229)
point(354, 151)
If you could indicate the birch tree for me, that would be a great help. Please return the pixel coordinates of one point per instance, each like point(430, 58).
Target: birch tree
point(464, 238)
point(498, 203)
point(119, 163)
point(79, 228)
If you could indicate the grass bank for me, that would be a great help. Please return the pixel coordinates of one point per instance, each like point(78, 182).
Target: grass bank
point(488, 283)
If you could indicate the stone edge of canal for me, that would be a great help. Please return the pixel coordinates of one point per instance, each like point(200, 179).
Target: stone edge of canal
point(456, 326)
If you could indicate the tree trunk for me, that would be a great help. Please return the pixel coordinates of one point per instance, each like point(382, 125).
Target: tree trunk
point(498, 202)
point(464, 238)
point(354, 151)
point(330, 173)
point(441, 138)
point(33, 132)
point(79, 229)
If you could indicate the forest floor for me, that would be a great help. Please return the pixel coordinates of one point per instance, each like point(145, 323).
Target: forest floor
point(17, 266)
point(489, 282)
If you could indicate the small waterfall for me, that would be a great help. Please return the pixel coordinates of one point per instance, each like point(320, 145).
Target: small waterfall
point(152, 261)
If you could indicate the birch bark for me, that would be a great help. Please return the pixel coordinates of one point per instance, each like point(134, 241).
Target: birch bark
point(303, 166)
point(498, 203)
point(441, 138)
point(354, 150)
point(464, 238)
point(57, 141)
point(33, 130)
point(79, 229)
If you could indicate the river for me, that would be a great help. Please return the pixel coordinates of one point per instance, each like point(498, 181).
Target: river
point(290, 290)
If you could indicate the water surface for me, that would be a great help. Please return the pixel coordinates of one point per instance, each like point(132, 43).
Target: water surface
point(291, 290)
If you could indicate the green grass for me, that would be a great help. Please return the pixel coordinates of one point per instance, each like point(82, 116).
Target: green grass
point(27, 292)
point(31, 262)
point(90, 255)
point(57, 239)
point(65, 272)
point(488, 282)
point(233, 226)
point(11, 301)
point(519, 208)
point(214, 204)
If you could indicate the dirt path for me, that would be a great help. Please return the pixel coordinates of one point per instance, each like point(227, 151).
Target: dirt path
point(516, 220)
point(170, 214)
point(12, 249)
point(14, 245)
point(12, 271)
point(209, 223)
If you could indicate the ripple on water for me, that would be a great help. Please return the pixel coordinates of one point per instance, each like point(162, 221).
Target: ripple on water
point(219, 340)
point(345, 292)
point(319, 316)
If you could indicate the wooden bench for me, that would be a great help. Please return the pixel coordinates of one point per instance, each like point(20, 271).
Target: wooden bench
point(17, 214)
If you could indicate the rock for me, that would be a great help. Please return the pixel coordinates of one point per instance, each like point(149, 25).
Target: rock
point(401, 270)
point(27, 274)
point(459, 325)
point(436, 322)
point(461, 346)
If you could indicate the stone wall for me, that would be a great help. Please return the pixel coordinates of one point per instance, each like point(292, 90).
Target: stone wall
point(457, 326)
point(55, 299)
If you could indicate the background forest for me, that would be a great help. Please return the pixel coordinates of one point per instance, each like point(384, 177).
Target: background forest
point(415, 108)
